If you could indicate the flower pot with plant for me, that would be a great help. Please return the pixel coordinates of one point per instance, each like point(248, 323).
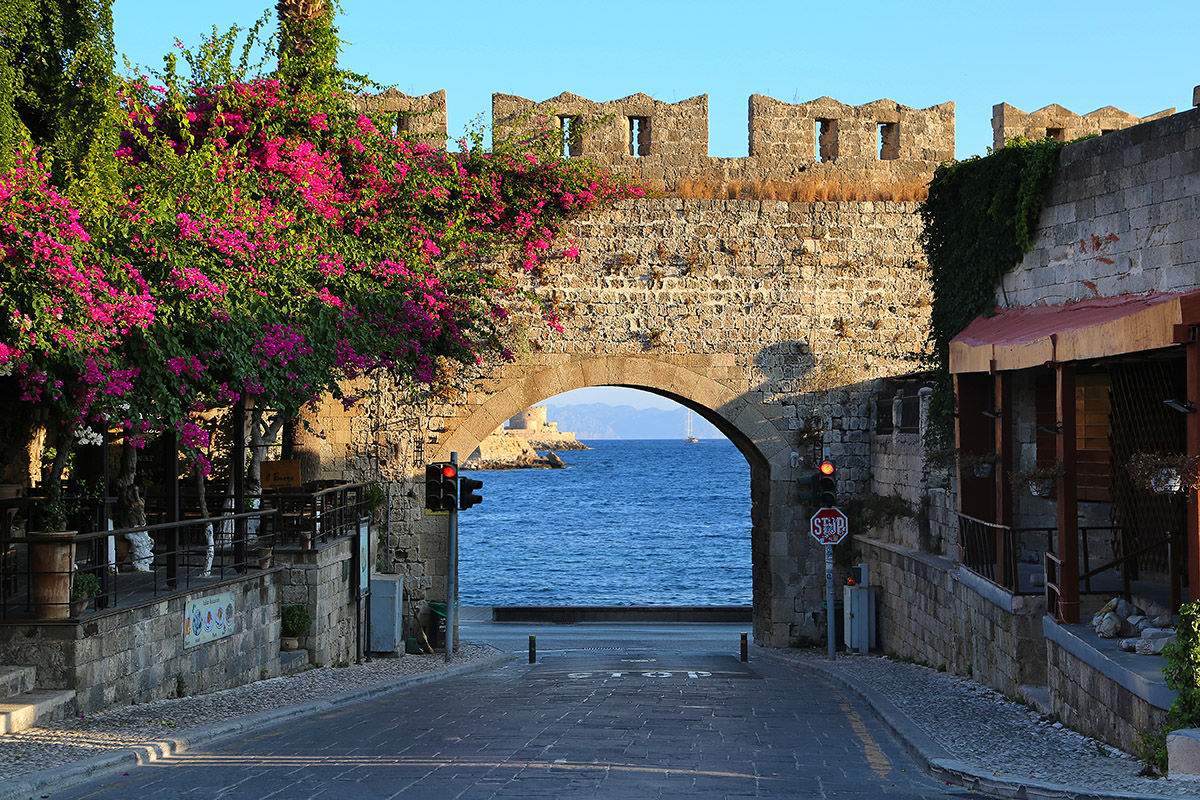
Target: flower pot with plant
point(51, 561)
point(294, 622)
point(981, 465)
point(1037, 481)
point(1164, 473)
point(83, 589)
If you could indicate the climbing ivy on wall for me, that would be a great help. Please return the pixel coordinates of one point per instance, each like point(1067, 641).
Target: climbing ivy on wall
point(979, 219)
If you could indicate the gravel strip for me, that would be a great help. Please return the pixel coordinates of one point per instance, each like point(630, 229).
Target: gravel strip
point(994, 734)
point(70, 740)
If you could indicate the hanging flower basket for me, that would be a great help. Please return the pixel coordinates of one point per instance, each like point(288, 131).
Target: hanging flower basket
point(1038, 481)
point(979, 465)
point(1164, 473)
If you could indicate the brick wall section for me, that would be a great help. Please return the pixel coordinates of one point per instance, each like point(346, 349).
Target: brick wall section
point(1095, 705)
point(135, 655)
point(1120, 218)
point(320, 580)
point(938, 614)
point(770, 319)
point(1009, 122)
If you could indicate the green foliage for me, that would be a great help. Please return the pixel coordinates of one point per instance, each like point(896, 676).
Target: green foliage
point(978, 220)
point(56, 66)
point(84, 586)
point(294, 620)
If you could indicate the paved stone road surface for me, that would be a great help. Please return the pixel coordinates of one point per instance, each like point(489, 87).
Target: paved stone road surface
point(597, 717)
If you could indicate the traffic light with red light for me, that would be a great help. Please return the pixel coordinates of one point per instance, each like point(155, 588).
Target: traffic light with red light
point(467, 496)
point(825, 486)
point(441, 487)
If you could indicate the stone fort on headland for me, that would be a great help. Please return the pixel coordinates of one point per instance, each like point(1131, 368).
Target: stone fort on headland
point(774, 319)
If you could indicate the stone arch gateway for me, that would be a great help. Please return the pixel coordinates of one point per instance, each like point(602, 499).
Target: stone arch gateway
point(759, 437)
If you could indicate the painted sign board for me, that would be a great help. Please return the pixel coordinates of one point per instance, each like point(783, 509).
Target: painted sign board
point(280, 474)
point(207, 619)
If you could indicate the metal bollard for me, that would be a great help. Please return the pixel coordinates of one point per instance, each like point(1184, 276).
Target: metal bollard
point(745, 647)
point(532, 649)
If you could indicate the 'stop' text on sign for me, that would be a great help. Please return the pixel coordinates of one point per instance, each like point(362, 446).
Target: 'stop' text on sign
point(829, 526)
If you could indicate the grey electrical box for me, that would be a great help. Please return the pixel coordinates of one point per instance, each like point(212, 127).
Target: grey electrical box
point(387, 605)
point(858, 612)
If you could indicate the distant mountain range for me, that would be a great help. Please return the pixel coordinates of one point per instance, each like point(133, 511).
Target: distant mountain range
point(602, 421)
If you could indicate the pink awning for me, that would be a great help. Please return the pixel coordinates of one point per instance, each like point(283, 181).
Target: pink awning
point(1019, 338)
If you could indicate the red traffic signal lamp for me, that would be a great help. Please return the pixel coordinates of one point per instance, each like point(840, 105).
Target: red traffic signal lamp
point(441, 487)
point(825, 486)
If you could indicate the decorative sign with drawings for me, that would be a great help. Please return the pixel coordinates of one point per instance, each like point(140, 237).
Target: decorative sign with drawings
point(208, 618)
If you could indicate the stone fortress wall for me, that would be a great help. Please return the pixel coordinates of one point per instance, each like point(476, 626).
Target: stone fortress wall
point(773, 320)
point(1056, 122)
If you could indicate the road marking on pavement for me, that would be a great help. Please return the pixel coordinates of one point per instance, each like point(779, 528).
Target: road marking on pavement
point(294, 761)
point(878, 761)
point(691, 673)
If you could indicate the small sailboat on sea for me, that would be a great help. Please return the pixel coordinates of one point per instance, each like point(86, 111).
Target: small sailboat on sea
point(690, 436)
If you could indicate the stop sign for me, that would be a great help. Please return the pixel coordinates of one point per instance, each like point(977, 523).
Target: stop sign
point(829, 526)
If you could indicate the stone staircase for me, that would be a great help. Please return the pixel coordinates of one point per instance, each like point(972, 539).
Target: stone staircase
point(22, 706)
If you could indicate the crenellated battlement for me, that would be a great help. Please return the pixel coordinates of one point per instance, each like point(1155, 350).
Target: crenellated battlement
point(423, 117)
point(1056, 122)
point(668, 142)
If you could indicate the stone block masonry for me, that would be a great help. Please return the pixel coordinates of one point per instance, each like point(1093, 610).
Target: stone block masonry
point(1056, 122)
point(321, 580)
point(770, 319)
point(137, 654)
point(940, 614)
point(667, 143)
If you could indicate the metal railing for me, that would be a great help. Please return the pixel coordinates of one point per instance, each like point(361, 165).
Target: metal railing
point(38, 572)
point(1125, 563)
point(1000, 554)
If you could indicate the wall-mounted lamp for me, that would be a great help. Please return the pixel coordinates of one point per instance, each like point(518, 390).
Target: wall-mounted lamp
point(991, 414)
point(1182, 406)
point(1053, 430)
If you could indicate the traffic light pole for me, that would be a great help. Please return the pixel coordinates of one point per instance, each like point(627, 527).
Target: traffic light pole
point(452, 573)
point(831, 621)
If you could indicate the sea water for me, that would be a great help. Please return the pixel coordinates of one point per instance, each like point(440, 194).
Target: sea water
point(629, 522)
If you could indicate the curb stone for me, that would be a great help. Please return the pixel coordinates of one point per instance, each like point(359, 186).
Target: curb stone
point(936, 761)
point(55, 779)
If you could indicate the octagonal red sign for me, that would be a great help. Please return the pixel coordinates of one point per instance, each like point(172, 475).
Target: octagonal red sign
point(829, 526)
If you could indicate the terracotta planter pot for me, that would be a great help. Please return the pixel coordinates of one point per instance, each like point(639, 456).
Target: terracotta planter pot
point(265, 554)
point(289, 643)
point(50, 563)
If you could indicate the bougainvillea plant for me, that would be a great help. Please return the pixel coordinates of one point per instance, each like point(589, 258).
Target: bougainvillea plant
point(267, 242)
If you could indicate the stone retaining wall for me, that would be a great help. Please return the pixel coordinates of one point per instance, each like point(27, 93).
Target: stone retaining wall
point(138, 654)
point(321, 580)
point(940, 614)
point(1094, 704)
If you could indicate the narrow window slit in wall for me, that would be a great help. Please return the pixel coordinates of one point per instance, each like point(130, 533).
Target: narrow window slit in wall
point(827, 139)
point(639, 136)
point(572, 135)
point(889, 141)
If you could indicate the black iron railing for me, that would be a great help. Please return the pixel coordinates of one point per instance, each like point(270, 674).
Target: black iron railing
point(42, 575)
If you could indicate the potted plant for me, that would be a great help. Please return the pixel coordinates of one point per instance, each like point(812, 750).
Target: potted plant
point(1038, 481)
point(981, 465)
point(294, 622)
point(51, 561)
point(1164, 473)
point(83, 588)
point(266, 552)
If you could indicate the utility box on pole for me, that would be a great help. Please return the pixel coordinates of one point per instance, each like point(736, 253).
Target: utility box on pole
point(858, 612)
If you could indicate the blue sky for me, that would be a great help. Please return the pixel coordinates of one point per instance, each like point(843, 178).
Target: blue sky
point(1082, 55)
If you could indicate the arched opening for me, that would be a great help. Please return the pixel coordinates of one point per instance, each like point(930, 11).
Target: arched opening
point(754, 429)
point(642, 514)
